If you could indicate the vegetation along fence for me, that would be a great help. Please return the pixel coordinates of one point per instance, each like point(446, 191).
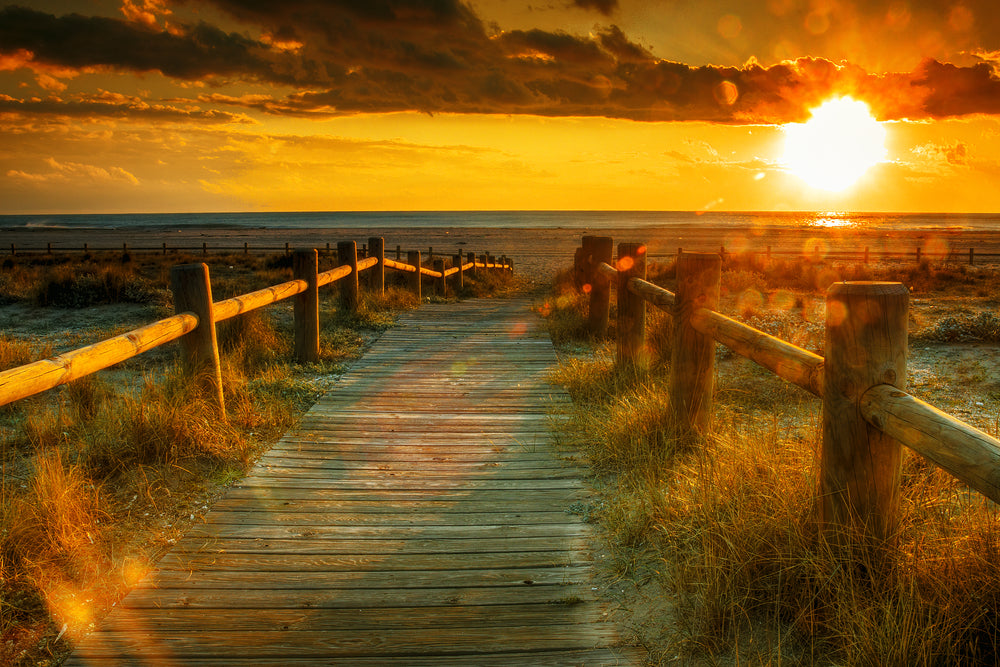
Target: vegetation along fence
point(867, 413)
point(196, 315)
point(864, 255)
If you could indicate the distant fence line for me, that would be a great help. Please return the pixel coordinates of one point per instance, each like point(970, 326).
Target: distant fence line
point(864, 255)
point(867, 413)
point(204, 249)
point(197, 314)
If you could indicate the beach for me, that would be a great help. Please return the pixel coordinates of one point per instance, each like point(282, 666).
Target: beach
point(536, 252)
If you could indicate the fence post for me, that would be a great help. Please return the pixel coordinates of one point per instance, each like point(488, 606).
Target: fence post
point(972, 256)
point(192, 291)
point(305, 266)
point(439, 284)
point(460, 274)
point(347, 253)
point(866, 254)
point(471, 259)
point(246, 248)
point(918, 255)
point(376, 280)
point(866, 341)
point(413, 259)
point(692, 372)
point(631, 308)
point(601, 250)
point(484, 260)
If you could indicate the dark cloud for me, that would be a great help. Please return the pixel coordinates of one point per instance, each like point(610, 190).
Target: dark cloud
point(201, 52)
point(114, 106)
point(952, 90)
point(435, 56)
point(305, 12)
point(605, 7)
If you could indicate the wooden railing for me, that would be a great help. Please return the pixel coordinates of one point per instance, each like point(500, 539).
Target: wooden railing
point(197, 315)
point(204, 249)
point(867, 413)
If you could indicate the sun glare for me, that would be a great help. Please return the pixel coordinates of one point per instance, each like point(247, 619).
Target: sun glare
point(835, 147)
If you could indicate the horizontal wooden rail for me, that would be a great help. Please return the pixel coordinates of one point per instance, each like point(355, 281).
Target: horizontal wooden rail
point(609, 272)
point(244, 303)
point(367, 263)
point(963, 450)
point(787, 361)
point(334, 275)
point(431, 273)
point(399, 266)
point(34, 378)
point(654, 294)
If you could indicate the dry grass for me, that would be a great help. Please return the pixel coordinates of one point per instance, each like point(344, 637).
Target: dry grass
point(726, 532)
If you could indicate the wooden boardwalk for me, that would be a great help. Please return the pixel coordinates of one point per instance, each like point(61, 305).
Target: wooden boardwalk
point(417, 516)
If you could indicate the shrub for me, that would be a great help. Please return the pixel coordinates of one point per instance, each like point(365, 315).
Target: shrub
point(66, 287)
point(981, 327)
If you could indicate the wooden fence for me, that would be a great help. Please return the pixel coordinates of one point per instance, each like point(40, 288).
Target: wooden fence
point(862, 255)
point(197, 314)
point(204, 249)
point(867, 414)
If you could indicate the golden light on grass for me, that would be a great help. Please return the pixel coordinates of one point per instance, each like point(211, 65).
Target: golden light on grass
point(836, 146)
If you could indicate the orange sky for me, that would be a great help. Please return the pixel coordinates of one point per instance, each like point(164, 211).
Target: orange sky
point(223, 105)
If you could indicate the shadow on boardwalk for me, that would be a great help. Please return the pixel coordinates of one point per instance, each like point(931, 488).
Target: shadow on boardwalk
point(417, 516)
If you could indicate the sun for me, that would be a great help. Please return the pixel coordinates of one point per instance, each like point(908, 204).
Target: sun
point(834, 148)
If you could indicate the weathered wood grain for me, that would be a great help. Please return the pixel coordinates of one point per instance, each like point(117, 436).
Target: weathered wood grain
point(418, 515)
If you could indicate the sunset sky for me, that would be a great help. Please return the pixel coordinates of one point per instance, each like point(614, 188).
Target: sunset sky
point(231, 105)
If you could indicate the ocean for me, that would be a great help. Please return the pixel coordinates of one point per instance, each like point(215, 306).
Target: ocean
point(610, 220)
point(540, 242)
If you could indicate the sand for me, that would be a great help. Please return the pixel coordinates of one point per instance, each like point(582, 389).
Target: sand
point(537, 253)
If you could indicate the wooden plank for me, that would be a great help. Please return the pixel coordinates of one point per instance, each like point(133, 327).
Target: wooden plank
point(540, 614)
point(518, 499)
point(348, 598)
point(217, 578)
point(419, 463)
point(419, 473)
point(598, 657)
point(241, 518)
point(368, 562)
point(424, 505)
point(350, 643)
point(307, 545)
point(361, 532)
